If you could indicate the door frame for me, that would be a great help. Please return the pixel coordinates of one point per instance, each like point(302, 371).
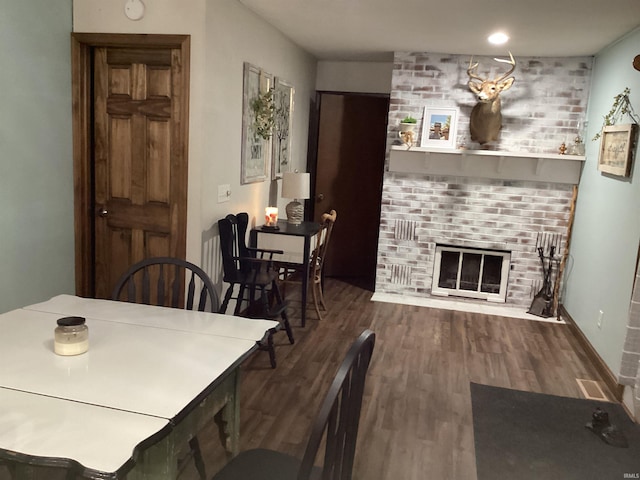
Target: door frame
point(82, 48)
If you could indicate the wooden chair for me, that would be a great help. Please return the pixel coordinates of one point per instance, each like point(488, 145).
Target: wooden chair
point(316, 264)
point(336, 423)
point(161, 281)
point(253, 271)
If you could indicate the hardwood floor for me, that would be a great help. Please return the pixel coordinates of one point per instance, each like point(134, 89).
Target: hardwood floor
point(416, 421)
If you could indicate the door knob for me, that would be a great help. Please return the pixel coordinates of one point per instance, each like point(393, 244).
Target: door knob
point(103, 212)
point(320, 197)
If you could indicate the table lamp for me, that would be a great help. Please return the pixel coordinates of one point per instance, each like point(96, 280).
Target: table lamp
point(295, 185)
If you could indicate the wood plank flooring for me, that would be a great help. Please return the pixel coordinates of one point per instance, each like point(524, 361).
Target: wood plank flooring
point(416, 421)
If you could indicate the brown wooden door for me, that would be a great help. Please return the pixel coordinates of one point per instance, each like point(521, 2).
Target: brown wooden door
point(352, 131)
point(140, 186)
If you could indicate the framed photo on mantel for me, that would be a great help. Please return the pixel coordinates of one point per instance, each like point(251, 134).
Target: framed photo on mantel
point(439, 128)
point(617, 148)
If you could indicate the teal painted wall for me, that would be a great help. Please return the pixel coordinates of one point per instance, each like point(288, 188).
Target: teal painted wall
point(606, 231)
point(36, 171)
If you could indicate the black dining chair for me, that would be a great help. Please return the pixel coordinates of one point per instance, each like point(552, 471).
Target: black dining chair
point(162, 281)
point(336, 423)
point(253, 270)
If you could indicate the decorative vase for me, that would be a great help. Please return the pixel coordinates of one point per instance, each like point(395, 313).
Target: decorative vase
point(407, 127)
point(406, 133)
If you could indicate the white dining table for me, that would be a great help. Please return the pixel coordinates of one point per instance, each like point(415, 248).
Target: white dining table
point(151, 379)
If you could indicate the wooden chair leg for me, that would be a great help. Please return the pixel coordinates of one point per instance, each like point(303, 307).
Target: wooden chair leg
point(314, 290)
point(283, 282)
point(321, 295)
point(283, 313)
point(270, 348)
point(287, 327)
point(236, 311)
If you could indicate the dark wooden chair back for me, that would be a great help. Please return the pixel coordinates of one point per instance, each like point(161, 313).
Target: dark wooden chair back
point(339, 416)
point(335, 426)
point(161, 281)
point(233, 247)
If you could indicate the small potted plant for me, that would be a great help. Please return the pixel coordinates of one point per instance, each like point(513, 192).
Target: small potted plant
point(408, 124)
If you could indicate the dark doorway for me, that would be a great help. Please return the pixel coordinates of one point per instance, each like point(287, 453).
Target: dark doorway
point(348, 172)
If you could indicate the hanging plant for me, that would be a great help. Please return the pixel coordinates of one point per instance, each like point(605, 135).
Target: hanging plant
point(621, 106)
point(264, 108)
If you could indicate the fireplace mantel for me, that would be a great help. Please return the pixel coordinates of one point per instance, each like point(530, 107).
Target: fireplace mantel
point(536, 167)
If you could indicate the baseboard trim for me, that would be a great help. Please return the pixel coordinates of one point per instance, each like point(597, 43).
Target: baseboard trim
point(609, 378)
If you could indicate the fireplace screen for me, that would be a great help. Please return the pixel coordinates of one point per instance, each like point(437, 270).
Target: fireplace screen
point(471, 273)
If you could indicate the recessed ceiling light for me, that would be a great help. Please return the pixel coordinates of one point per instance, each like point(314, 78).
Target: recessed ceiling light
point(498, 38)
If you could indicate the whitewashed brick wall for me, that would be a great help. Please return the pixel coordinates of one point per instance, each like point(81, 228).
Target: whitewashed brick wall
point(540, 111)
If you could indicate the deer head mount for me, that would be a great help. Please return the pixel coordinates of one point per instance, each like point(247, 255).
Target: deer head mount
point(486, 119)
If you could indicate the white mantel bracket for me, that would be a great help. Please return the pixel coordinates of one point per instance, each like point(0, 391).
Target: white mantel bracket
point(537, 167)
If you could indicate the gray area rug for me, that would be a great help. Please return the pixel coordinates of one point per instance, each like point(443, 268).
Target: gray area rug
point(532, 436)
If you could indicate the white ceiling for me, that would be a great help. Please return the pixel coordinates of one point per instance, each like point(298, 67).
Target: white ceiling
point(370, 30)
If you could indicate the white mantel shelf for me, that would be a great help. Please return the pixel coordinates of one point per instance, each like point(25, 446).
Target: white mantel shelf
point(537, 167)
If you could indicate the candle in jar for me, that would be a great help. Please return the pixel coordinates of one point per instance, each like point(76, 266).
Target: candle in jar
point(271, 216)
point(71, 336)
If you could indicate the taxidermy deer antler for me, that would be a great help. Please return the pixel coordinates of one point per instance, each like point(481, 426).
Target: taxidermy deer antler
point(486, 118)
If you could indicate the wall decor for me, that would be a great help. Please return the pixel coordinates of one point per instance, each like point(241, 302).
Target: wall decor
point(282, 130)
point(439, 127)
point(485, 121)
point(617, 149)
point(256, 149)
point(621, 106)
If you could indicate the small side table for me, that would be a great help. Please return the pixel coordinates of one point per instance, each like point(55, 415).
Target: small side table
point(295, 241)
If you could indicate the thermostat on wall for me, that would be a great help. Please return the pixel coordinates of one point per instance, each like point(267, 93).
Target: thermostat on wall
point(134, 9)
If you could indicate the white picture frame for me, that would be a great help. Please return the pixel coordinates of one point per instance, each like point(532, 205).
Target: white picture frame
point(256, 151)
point(439, 126)
point(282, 131)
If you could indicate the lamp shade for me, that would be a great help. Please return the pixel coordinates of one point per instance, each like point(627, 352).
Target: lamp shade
point(295, 185)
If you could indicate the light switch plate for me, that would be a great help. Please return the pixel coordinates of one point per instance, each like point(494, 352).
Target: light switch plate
point(224, 193)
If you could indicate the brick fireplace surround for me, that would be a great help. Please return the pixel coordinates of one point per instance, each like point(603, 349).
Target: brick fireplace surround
point(542, 110)
point(422, 211)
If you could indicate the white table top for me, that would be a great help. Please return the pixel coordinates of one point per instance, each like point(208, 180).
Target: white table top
point(144, 366)
point(153, 371)
point(152, 316)
point(50, 427)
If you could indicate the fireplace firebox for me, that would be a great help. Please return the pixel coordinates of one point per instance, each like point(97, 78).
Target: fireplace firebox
point(470, 272)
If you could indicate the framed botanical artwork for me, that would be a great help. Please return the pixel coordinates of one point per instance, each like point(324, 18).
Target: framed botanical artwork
point(256, 139)
point(439, 127)
point(617, 148)
point(282, 128)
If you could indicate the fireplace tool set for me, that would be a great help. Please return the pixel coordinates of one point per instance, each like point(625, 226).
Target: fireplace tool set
point(543, 304)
